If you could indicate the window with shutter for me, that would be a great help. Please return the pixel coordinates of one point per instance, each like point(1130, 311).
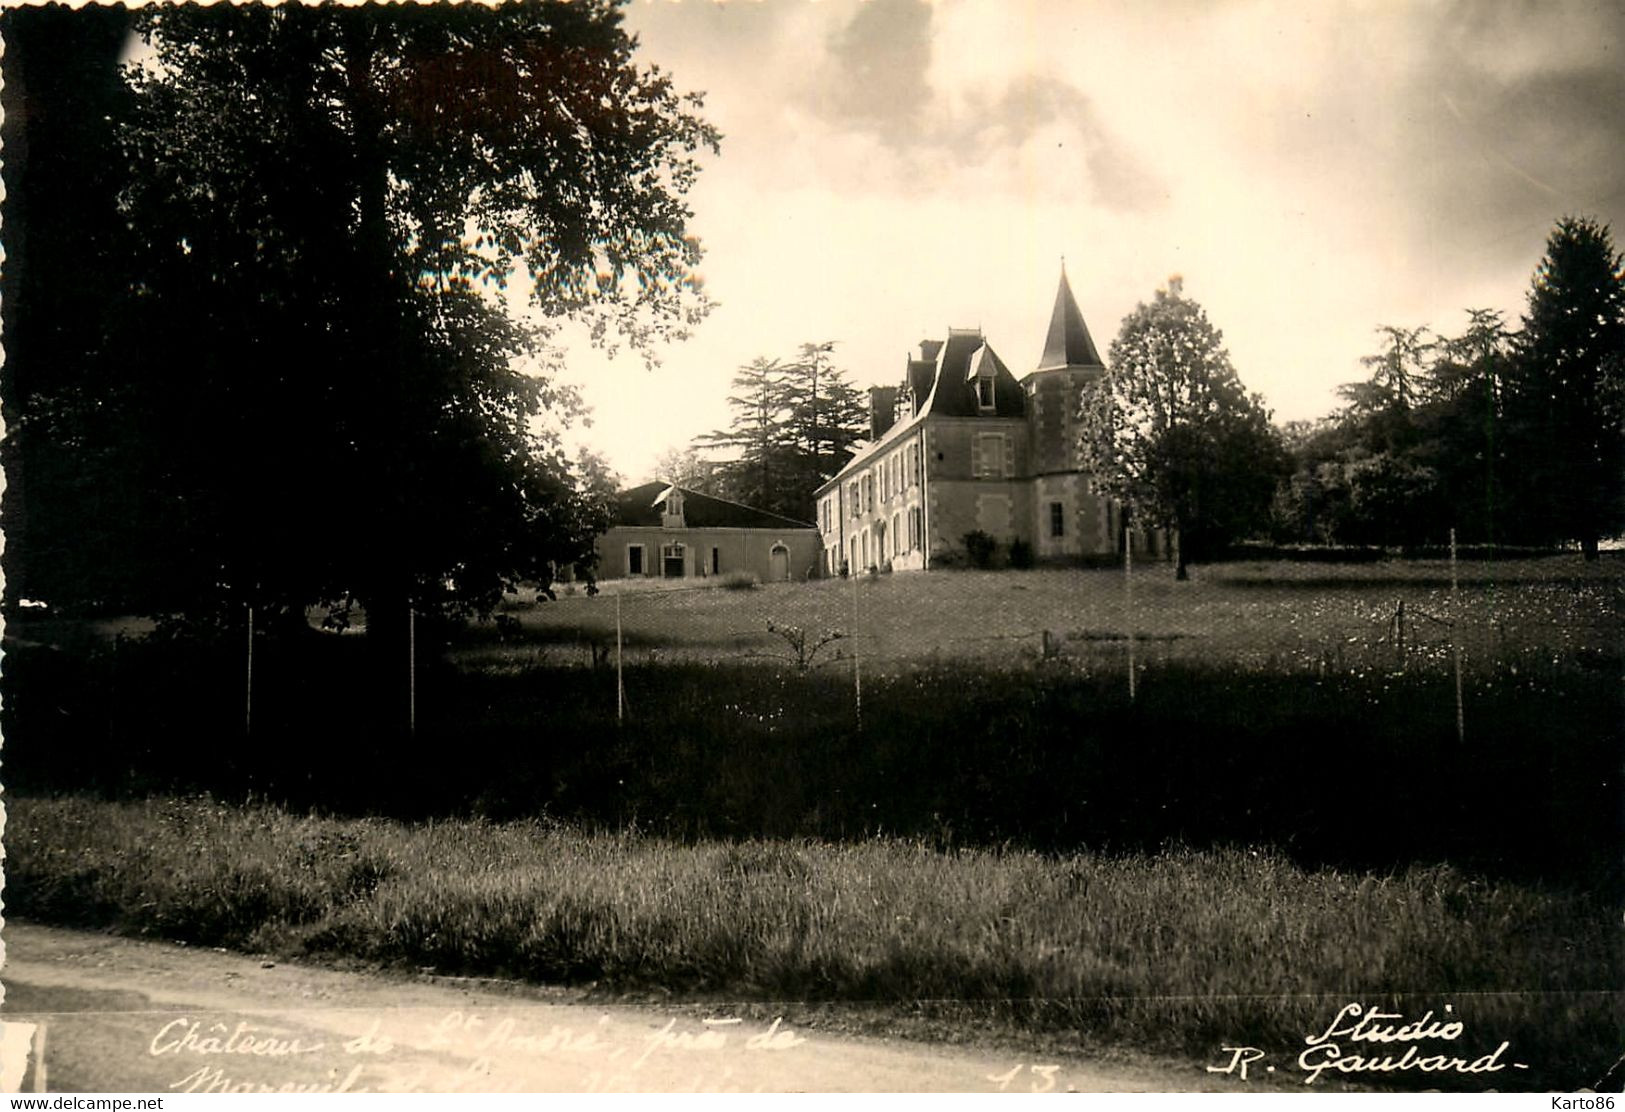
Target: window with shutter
point(990, 456)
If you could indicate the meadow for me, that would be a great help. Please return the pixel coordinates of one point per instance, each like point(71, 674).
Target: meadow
point(955, 808)
point(1278, 616)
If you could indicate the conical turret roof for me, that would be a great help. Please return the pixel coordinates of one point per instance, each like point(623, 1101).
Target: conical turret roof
point(1068, 343)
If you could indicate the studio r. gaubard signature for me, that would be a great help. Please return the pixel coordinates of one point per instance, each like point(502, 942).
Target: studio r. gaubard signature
point(1363, 1040)
point(478, 1044)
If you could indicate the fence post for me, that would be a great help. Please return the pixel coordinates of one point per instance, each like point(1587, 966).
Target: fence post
point(620, 682)
point(857, 673)
point(248, 684)
point(411, 671)
point(1128, 590)
point(1399, 633)
point(1455, 639)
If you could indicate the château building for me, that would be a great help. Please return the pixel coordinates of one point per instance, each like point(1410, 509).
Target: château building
point(962, 446)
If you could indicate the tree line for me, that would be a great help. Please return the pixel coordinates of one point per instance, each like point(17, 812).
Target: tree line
point(1504, 436)
point(1511, 436)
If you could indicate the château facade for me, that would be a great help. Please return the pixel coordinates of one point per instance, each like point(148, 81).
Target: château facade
point(962, 446)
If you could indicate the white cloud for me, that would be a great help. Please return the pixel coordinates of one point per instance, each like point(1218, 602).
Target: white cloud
point(1313, 171)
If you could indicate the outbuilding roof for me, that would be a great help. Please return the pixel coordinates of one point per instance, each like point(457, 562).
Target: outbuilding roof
point(641, 505)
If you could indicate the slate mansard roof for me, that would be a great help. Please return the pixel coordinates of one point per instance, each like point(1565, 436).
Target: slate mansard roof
point(944, 385)
point(641, 506)
point(962, 359)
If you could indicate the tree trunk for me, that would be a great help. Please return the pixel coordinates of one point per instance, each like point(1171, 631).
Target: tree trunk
point(1588, 545)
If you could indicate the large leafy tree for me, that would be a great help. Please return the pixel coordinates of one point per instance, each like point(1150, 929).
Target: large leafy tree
point(1381, 475)
point(1170, 431)
point(1566, 411)
point(1382, 408)
point(68, 506)
point(1461, 419)
point(323, 380)
point(1417, 451)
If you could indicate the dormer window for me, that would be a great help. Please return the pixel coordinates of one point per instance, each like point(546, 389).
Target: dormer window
point(984, 366)
point(984, 390)
point(674, 504)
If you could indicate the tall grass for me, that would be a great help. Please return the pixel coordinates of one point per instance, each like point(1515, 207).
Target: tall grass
point(1181, 951)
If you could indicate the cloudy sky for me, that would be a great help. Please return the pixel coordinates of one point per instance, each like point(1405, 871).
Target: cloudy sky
point(891, 168)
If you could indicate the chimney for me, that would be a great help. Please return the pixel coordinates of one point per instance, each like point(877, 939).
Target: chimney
point(1176, 285)
point(929, 349)
point(882, 410)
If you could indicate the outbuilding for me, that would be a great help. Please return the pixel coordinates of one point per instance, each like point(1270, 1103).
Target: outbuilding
point(670, 532)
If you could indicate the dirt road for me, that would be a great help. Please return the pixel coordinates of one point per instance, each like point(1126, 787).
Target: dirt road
point(113, 1014)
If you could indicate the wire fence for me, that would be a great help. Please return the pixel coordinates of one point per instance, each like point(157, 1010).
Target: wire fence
point(1448, 617)
point(1019, 678)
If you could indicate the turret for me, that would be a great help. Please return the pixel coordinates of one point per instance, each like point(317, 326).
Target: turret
point(1069, 363)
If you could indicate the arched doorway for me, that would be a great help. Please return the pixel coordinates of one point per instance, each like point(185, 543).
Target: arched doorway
point(778, 564)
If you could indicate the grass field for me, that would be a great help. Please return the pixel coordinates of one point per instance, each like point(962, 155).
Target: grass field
point(1180, 951)
point(1269, 701)
point(1277, 616)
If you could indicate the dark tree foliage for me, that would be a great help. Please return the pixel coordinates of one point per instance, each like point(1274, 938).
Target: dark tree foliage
point(1369, 475)
point(1171, 432)
point(1403, 469)
point(756, 472)
point(1463, 438)
point(827, 418)
point(794, 423)
point(1395, 371)
point(319, 388)
point(69, 505)
point(1504, 437)
point(1383, 407)
point(1566, 414)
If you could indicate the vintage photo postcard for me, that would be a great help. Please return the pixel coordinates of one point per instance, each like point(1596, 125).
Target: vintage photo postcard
point(781, 546)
